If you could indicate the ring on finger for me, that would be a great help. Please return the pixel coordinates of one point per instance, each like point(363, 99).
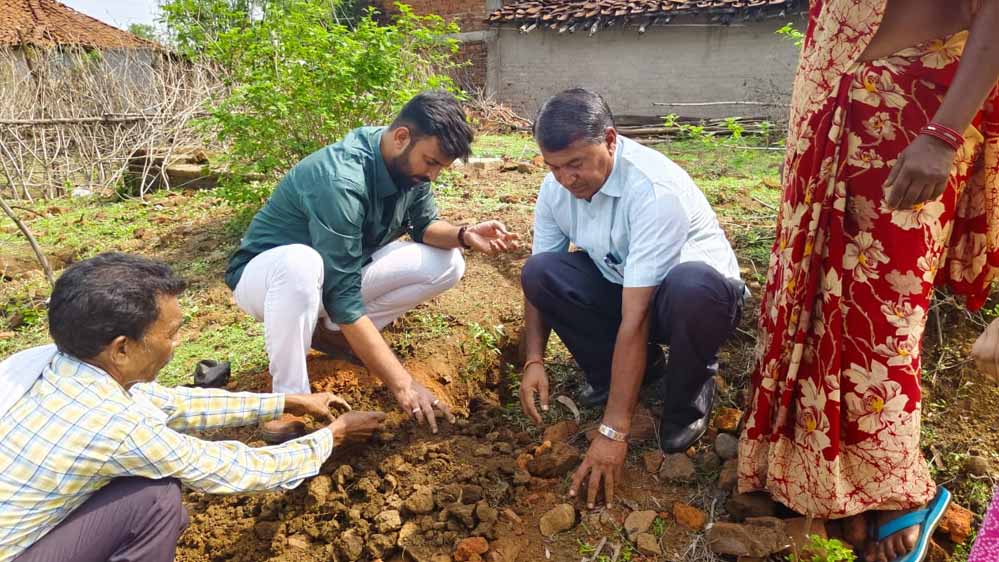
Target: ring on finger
point(435, 402)
point(416, 410)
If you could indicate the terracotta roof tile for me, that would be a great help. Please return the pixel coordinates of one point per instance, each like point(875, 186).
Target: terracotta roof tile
point(47, 23)
point(570, 15)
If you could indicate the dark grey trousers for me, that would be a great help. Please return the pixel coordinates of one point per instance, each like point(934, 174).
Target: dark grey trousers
point(694, 310)
point(129, 520)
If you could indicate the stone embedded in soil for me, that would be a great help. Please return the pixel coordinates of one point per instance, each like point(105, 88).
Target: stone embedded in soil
point(351, 545)
point(420, 501)
point(734, 539)
point(729, 476)
point(560, 518)
point(727, 420)
point(265, 530)
point(652, 460)
point(709, 461)
point(487, 516)
point(318, 490)
point(956, 523)
point(689, 516)
point(343, 475)
point(483, 451)
point(388, 521)
point(976, 466)
point(754, 504)
point(677, 466)
point(367, 486)
point(554, 462)
point(561, 431)
point(638, 522)
point(508, 548)
point(647, 543)
point(298, 541)
point(469, 548)
point(464, 514)
point(380, 545)
point(798, 531)
point(504, 448)
point(409, 529)
point(727, 446)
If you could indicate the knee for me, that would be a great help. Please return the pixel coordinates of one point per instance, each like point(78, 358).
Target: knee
point(535, 274)
point(454, 269)
point(440, 268)
point(300, 271)
point(696, 288)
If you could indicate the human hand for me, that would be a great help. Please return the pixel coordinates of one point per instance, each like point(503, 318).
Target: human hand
point(419, 402)
point(534, 382)
point(356, 427)
point(920, 174)
point(320, 406)
point(985, 352)
point(490, 237)
point(604, 461)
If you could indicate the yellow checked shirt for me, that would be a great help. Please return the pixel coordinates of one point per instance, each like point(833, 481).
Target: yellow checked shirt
point(76, 429)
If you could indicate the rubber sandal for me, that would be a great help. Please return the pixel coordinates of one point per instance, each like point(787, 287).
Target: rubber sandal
point(212, 374)
point(927, 519)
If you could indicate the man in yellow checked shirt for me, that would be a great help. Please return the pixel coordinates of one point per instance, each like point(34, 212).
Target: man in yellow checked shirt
point(92, 457)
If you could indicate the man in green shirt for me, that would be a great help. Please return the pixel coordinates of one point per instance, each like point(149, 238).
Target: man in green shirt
point(321, 263)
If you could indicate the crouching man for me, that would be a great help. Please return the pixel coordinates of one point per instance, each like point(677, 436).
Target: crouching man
point(93, 456)
point(322, 266)
point(653, 267)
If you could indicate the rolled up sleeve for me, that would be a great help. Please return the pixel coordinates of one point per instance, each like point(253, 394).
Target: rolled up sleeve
point(658, 231)
point(200, 409)
point(335, 229)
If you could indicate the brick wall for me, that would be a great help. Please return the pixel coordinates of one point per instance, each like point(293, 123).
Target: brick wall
point(470, 16)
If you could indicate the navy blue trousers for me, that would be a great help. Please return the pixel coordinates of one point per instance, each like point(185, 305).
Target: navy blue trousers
point(694, 310)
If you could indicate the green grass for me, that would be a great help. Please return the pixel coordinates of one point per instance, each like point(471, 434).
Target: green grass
point(515, 146)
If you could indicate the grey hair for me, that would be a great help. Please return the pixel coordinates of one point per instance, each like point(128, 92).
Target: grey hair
point(572, 115)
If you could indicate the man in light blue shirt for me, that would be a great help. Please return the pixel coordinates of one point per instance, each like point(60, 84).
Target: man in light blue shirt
point(652, 266)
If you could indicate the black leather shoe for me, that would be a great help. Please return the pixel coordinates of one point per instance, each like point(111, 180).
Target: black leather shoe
point(592, 396)
point(677, 431)
point(211, 374)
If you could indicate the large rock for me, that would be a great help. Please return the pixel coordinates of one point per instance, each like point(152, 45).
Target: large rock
point(734, 539)
point(754, 504)
point(421, 501)
point(470, 549)
point(561, 431)
point(638, 522)
point(689, 516)
point(956, 523)
point(560, 518)
point(727, 446)
point(677, 466)
point(554, 462)
point(647, 543)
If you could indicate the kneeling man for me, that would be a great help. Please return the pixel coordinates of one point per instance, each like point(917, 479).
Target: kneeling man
point(321, 264)
point(93, 452)
point(652, 267)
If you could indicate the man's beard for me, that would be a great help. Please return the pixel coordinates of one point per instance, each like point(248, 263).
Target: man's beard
point(401, 173)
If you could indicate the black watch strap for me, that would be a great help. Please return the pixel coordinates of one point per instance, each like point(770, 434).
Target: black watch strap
point(461, 237)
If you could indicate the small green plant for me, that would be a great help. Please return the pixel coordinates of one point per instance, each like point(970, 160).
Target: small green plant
point(658, 527)
point(483, 349)
point(734, 127)
point(824, 550)
point(792, 34)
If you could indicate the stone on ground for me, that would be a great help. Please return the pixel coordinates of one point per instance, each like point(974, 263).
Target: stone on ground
point(469, 548)
point(677, 466)
point(689, 516)
point(638, 522)
point(976, 466)
point(554, 462)
point(421, 501)
point(729, 476)
point(727, 446)
point(647, 543)
point(956, 523)
point(561, 431)
point(652, 460)
point(754, 504)
point(560, 518)
point(735, 539)
point(727, 420)
point(388, 520)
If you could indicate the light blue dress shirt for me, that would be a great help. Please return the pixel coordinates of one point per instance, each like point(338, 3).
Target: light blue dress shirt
point(648, 217)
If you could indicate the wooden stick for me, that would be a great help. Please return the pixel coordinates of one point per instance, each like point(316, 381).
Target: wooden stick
point(31, 240)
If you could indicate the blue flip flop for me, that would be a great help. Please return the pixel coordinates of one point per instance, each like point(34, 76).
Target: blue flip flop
point(927, 519)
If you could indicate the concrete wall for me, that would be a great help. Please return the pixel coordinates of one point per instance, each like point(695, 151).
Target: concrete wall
point(670, 63)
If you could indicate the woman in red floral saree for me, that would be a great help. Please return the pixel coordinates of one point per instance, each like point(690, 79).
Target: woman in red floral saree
point(875, 212)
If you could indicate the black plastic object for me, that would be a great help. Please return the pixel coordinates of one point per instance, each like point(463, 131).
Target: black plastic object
point(212, 374)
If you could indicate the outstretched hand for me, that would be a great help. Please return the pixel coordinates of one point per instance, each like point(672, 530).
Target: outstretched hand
point(490, 237)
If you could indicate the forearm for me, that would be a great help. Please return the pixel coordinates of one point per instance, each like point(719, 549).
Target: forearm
point(441, 234)
point(200, 409)
point(977, 74)
point(536, 333)
point(627, 371)
point(376, 355)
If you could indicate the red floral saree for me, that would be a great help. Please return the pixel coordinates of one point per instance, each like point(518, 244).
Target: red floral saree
point(833, 423)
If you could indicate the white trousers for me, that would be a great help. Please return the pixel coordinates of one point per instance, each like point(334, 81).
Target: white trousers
point(282, 288)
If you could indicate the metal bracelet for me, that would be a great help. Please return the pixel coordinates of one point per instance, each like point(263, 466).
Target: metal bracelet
point(612, 434)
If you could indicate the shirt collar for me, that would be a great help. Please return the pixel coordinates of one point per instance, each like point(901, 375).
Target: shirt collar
point(614, 186)
point(384, 186)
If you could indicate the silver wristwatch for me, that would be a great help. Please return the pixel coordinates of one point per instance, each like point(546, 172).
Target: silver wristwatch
point(612, 434)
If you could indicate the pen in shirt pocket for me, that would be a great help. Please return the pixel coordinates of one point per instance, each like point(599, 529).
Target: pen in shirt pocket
point(613, 262)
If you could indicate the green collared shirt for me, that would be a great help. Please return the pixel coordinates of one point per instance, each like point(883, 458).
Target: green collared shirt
point(341, 201)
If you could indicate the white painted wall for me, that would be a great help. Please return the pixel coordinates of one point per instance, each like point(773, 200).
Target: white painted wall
point(672, 63)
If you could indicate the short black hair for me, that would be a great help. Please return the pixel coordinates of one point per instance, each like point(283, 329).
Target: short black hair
point(571, 115)
point(96, 300)
point(437, 113)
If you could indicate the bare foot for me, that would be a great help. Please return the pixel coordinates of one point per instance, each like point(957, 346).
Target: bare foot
point(854, 530)
point(894, 546)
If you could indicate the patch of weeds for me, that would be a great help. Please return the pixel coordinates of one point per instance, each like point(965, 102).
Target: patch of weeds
point(658, 527)
point(963, 550)
point(420, 327)
point(482, 349)
point(515, 146)
point(824, 550)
